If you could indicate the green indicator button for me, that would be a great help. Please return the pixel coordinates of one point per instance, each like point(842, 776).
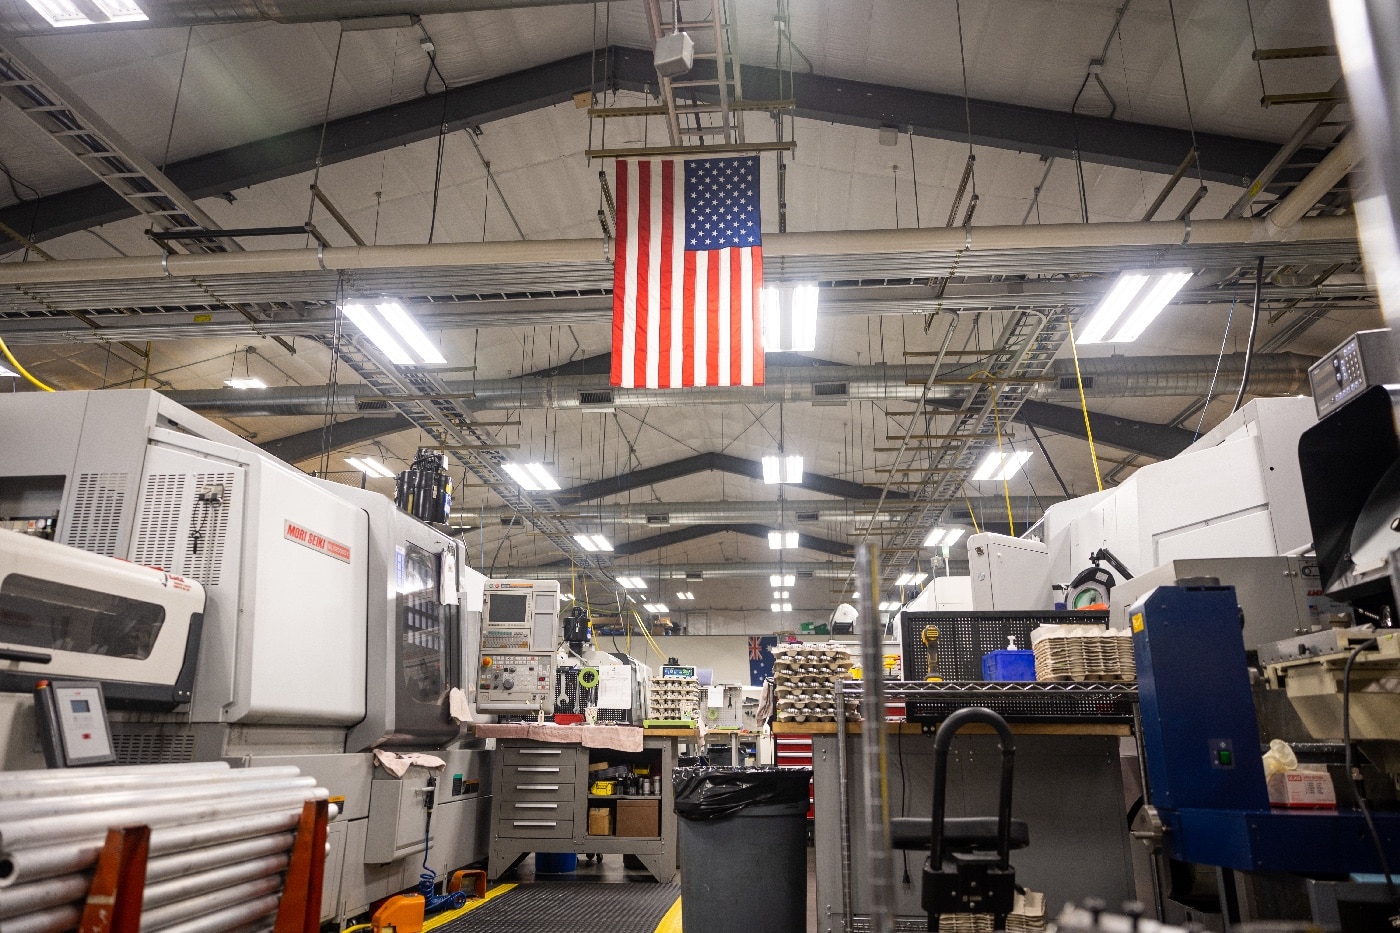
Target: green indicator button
point(1224, 758)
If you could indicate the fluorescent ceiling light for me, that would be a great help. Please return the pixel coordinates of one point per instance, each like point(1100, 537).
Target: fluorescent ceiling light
point(407, 335)
point(1155, 297)
point(890, 606)
point(998, 465)
point(566, 597)
point(782, 579)
point(685, 595)
point(67, 13)
point(411, 333)
point(780, 607)
point(953, 535)
point(586, 542)
point(779, 469)
point(655, 607)
point(911, 579)
point(855, 595)
point(370, 467)
point(532, 477)
point(789, 317)
point(778, 540)
point(5, 371)
point(934, 537)
point(542, 476)
point(1136, 298)
point(632, 583)
point(781, 594)
point(601, 543)
point(237, 382)
point(369, 325)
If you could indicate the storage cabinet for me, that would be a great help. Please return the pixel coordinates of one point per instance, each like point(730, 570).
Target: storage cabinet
point(541, 804)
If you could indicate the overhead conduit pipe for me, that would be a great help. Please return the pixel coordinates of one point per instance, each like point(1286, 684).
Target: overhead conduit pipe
point(1116, 376)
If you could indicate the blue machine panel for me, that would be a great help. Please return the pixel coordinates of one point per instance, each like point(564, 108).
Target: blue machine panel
point(1198, 719)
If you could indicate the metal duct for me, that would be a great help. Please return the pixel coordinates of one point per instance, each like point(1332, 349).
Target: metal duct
point(18, 18)
point(824, 570)
point(663, 514)
point(1116, 376)
point(1146, 376)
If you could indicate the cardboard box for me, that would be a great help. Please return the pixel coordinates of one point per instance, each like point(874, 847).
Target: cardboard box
point(597, 766)
point(638, 818)
point(1305, 789)
point(599, 821)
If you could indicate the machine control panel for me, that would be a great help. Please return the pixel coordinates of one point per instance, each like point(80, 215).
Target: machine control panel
point(519, 633)
point(1364, 359)
point(515, 683)
point(73, 724)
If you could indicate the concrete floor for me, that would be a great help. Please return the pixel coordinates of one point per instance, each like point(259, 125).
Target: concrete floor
point(610, 870)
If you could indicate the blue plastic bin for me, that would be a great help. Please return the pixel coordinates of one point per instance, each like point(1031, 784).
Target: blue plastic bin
point(555, 863)
point(1008, 665)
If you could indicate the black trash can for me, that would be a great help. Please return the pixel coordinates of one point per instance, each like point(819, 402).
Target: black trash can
point(743, 849)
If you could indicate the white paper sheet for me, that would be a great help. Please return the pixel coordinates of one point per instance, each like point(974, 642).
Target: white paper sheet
point(614, 686)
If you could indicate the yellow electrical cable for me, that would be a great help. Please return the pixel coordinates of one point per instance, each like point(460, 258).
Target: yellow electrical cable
point(971, 514)
point(21, 370)
point(1084, 405)
point(1005, 480)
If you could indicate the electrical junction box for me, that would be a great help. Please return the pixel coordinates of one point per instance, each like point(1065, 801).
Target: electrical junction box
point(675, 55)
point(1008, 574)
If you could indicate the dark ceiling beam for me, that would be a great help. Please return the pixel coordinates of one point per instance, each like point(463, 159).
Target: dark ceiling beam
point(1140, 437)
point(295, 448)
point(939, 116)
point(700, 463)
point(695, 532)
point(351, 137)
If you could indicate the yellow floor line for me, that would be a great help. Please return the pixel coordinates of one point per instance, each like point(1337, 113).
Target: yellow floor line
point(671, 921)
point(440, 919)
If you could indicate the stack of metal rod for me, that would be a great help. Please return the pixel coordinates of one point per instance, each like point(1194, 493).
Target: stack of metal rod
point(220, 842)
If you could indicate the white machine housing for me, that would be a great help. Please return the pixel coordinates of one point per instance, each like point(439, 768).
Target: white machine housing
point(1235, 492)
point(308, 631)
point(515, 661)
point(136, 629)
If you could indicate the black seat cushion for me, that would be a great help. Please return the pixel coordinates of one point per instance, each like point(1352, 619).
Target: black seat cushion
point(963, 833)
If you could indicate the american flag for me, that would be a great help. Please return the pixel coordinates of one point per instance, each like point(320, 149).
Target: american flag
point(687, 273)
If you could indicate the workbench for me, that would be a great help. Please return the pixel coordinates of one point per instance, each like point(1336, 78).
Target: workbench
point(541, 801)
point(1069, 788)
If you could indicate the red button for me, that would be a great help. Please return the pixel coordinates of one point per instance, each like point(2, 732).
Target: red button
point(87, 735)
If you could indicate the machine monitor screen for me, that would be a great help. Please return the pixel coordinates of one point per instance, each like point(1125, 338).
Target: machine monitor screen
point(508, 609)
point(80, 706)
point(45, 614)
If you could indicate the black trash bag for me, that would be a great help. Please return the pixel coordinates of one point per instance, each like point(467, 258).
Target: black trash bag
point(713, 793)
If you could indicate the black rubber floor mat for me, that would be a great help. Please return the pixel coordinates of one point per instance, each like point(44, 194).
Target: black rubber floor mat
point(570, 908)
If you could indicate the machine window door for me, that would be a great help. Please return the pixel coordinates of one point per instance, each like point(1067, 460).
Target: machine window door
point(428, 631)
point(60, 617)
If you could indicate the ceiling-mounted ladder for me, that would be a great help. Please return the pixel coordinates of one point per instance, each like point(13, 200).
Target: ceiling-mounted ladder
point(1029, 344)
point(705, 108)
point(42, 97)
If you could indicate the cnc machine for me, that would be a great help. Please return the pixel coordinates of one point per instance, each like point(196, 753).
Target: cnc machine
point(333, 624)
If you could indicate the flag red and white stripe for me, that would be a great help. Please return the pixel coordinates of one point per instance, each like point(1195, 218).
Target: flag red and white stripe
point(686, 304)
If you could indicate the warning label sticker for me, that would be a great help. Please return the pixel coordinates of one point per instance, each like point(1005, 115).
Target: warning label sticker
point(307, 538)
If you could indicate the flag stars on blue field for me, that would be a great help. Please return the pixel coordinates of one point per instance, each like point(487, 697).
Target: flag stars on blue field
point(721, 200)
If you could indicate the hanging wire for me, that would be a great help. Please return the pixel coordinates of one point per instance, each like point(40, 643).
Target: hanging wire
point(1210, 393)
point(442, 130)
point(325, 122)
point(174, 111)
point(894, 173)
point(914, 171)
point(1254, 37)
point(1084, 405)
point(1186, 93)
point(337, 334)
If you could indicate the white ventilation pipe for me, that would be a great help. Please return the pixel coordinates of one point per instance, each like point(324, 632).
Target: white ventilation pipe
point(1286, 214)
